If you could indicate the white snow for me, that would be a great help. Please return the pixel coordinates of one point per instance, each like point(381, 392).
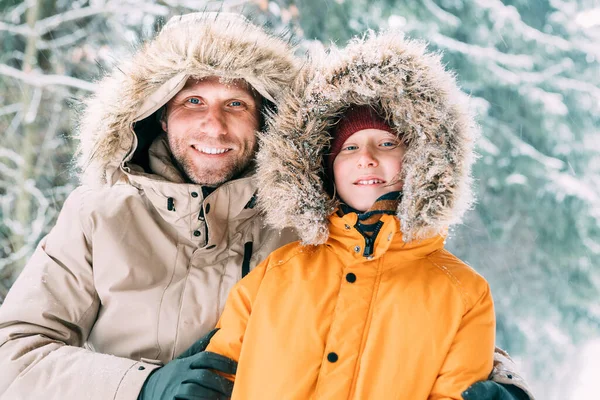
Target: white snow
point(586, 385)
point(589, 18)
point(516, 179)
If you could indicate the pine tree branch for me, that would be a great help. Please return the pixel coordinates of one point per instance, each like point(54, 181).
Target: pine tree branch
point(18, 29)
point(512, 60)
point(11, 108)
point(47, 24)
point(441, 14)
point(41, 80)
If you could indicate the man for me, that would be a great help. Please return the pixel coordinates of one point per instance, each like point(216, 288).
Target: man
point(144, 253)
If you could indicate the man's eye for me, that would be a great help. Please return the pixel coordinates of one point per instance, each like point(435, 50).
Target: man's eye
point(236, 103)
point(194, 100)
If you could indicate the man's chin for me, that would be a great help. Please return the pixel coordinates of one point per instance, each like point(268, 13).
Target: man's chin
point(214, 178)
point(210, 181)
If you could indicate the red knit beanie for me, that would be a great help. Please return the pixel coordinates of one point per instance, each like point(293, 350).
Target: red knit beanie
point(356, 118)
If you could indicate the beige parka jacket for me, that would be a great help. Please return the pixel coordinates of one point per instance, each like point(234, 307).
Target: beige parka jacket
point(139, 263)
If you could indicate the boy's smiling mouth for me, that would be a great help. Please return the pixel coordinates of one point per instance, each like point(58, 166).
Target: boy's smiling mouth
point(368, 180)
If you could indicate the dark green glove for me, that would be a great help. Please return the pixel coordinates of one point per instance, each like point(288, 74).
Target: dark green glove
point(191, 376)
point(490, 390)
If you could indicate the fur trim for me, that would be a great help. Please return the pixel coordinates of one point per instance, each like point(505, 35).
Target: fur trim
point(195, 45)
point(420, 100)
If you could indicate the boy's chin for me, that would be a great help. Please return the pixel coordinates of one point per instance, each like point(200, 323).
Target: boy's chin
point(364, 204)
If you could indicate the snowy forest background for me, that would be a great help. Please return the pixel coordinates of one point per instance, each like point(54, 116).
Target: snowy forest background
point(532, 68)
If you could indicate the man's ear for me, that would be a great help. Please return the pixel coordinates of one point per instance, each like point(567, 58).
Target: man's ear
point(161, 117)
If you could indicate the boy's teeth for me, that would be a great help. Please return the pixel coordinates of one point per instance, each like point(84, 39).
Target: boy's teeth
point(369, 182)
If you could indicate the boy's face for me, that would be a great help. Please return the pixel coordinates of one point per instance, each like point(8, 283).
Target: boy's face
point(367, 167)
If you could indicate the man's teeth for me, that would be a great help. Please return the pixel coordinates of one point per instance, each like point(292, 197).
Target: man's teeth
point(369, 182)
point(209, 150)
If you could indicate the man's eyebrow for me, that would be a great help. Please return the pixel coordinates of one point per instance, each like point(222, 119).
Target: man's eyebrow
point(236, 92)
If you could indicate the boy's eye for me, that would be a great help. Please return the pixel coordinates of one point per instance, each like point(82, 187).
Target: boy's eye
point(389, 144)
point(350, 147)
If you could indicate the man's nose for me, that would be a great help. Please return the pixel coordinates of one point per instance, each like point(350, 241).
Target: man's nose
point(214, 123)
point(366, 158)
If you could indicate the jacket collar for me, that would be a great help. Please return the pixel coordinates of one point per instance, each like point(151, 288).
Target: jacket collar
point(348, 243)
point(183, 204)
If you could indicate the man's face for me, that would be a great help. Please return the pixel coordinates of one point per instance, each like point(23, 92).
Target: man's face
point(368, 167)
point(211, 129)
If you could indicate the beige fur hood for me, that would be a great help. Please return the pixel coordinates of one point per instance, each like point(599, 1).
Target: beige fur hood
point(194, 45)
point(421, 101)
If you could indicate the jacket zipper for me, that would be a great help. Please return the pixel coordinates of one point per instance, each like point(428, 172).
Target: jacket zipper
point(370, 240)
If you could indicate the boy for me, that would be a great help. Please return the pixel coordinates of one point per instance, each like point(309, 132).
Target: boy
point(376, 308)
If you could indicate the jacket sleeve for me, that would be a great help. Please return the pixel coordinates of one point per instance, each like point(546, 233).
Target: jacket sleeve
point(47, 317)
point(505, 372)
point(471, 354)
point(236, 314)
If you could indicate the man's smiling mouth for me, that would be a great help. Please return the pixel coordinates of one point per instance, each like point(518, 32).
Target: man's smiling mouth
point(210, 150)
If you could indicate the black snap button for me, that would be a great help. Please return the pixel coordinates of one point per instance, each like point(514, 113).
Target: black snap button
point(141, 368)
point(351, 277)
point(212, 246)
point(207, 208)
point(194, 194)
point(197, 233)
point(509, 376)
point(332, 357)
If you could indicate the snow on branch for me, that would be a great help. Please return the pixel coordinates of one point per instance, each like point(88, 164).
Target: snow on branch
point(490, 53)
point(9, 109)
point(548, 76)
point(525, 149)
point(41, 80)
point(578, 86)
point(502, 12)
point(63, 41)
point(565, 184)
point(46, 25)
point(18, 29)
point(442, 14)
point(12, 156)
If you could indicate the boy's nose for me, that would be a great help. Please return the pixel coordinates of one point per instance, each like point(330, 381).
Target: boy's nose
point(366, 159)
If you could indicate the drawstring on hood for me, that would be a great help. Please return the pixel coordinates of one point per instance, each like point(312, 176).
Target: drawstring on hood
point(416, 96)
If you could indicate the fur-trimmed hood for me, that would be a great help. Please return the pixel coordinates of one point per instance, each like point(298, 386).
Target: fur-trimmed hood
point(419, 99)
point(194, 45)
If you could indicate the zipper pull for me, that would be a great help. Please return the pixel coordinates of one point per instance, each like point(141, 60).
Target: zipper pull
point(368, 246)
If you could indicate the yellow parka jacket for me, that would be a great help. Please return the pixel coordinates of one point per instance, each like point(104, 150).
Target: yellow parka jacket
point(324, 319)
point(411, 321)
point(139, 263)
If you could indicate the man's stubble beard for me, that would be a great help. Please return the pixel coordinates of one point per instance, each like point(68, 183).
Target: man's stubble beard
point(209, 176)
